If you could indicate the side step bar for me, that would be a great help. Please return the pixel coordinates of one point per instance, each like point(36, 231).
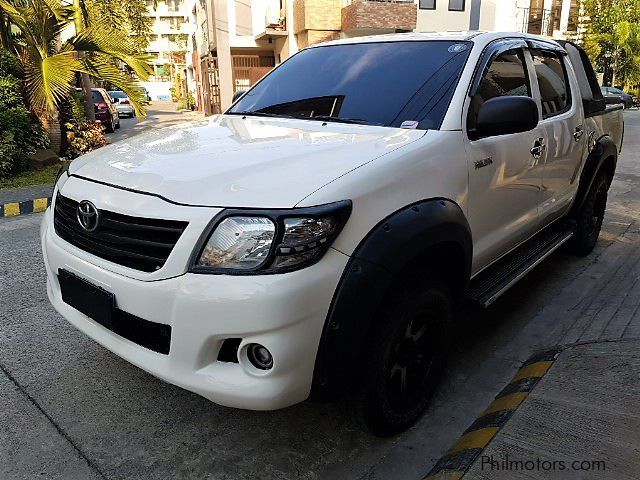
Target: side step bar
point(491, 283)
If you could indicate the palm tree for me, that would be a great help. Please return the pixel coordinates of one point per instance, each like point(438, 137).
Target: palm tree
point(50, 65)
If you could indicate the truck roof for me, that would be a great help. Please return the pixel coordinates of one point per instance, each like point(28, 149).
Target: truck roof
point(475, 36)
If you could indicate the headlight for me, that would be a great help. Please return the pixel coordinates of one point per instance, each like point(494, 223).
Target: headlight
point(269, 241)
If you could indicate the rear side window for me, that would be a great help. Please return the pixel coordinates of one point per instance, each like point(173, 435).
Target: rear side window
point(96, 96)
point(552, 80)
point(506, 76)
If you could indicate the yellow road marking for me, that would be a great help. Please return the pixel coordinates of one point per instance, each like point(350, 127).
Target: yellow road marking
point(11, 209)
point(537, 369)
point(475, 439)
point(508, 402)
point(39, 205)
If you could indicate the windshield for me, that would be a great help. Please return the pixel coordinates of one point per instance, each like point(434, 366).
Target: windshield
point(118, 95)
point(393, 84)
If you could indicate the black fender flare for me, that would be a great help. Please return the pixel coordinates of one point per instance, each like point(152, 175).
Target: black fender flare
point(370, 273)
point(603, 149)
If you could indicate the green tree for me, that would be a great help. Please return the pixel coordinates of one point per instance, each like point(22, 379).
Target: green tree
point(612, 39)
point(50, 66)
point(129, 15)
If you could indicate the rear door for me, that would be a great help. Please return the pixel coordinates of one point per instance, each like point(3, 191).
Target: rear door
point(563, 129)
point(505, 174)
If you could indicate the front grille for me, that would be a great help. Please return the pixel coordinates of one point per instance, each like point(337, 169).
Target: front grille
point(140, 243)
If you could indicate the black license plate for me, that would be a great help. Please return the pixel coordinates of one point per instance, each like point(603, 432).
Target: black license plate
point(95, 302)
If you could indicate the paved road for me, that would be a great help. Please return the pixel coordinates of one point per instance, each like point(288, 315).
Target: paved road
point(71, 409)
point(159, 114)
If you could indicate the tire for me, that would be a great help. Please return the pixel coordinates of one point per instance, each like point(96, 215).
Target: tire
point(624, 105)
point(590, 216)
point(405, 358)
point(109, 127)
point(118, 124)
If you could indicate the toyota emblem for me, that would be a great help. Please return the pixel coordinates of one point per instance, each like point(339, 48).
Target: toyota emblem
point(88, 215)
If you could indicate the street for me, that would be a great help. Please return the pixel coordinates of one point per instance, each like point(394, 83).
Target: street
point(71, 409)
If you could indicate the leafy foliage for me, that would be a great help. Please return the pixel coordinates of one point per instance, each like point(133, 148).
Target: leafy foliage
point(20, 134)
point(128, 15)
point(612, 39)
point(84, 137)
point(50, 67)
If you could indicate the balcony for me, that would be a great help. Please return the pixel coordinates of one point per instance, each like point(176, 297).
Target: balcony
point(372, 16)
point(275, 23)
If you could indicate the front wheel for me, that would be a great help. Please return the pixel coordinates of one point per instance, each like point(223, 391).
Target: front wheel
point(404, 359)
point(590, 216)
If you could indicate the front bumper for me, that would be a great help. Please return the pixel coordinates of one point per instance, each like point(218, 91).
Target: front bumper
point(285, 313)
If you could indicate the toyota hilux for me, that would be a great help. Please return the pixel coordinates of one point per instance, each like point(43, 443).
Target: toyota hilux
point(316, 239)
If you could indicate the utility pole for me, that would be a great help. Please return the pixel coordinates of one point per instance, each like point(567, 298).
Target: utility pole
point(85, 81)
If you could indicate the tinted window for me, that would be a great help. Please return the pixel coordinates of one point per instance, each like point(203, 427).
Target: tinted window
point(118, 94)
point(96, 97)
point(375, 83)
point(506, 76)
point(552, 80)
point(456, 5)
point(427, 4)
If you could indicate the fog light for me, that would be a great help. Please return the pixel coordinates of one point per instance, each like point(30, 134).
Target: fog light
point(259, 356)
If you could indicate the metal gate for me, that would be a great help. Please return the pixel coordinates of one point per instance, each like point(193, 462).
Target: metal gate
point(211, 86)
point(248, 69)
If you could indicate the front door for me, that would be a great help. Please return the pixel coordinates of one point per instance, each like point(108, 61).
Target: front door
point(504, 171)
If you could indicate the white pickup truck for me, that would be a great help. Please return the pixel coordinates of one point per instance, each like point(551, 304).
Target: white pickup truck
point(316, 238)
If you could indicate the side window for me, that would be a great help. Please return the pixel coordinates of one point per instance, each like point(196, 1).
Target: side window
point(554, 84)
point(506, 76)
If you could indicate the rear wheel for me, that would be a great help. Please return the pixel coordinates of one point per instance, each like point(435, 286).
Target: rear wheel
point(405, 357)
point(590, 216)
point(118, 123)
point(109, 126)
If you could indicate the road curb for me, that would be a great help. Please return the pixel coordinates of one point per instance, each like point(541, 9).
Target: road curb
point(459, 458)
point(13, 209)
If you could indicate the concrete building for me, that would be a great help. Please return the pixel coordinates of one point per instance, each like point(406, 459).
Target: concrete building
point(553, 18)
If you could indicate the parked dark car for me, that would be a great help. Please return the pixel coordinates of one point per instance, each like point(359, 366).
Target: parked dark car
point(614, 96)
point(105, 109)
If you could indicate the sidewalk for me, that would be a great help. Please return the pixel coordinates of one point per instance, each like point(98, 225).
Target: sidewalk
point(581, 421)
point(581, 402)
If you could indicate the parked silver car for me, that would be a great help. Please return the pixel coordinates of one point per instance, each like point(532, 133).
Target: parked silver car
point(122, 103)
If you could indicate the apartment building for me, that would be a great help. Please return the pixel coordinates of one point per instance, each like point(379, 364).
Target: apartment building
point(170, 47)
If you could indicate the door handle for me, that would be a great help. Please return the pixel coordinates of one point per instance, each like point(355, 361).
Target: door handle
point(577, 134)
point(538, 148)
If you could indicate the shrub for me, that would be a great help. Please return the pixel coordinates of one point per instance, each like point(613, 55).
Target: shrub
point(83, 137)
point(20, 134)
point(9, 64)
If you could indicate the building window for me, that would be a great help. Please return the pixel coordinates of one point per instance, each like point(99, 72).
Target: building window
point(456, 5)
point(427, 4)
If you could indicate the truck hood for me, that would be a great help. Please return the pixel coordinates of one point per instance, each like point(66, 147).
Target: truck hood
point(233, 161)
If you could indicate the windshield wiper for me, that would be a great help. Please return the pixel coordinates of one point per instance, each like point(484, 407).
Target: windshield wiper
point(329, 118)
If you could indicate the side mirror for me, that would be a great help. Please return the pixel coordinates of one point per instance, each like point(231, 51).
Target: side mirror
point(115, 100)
point(505, 115)
point(237, 95)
